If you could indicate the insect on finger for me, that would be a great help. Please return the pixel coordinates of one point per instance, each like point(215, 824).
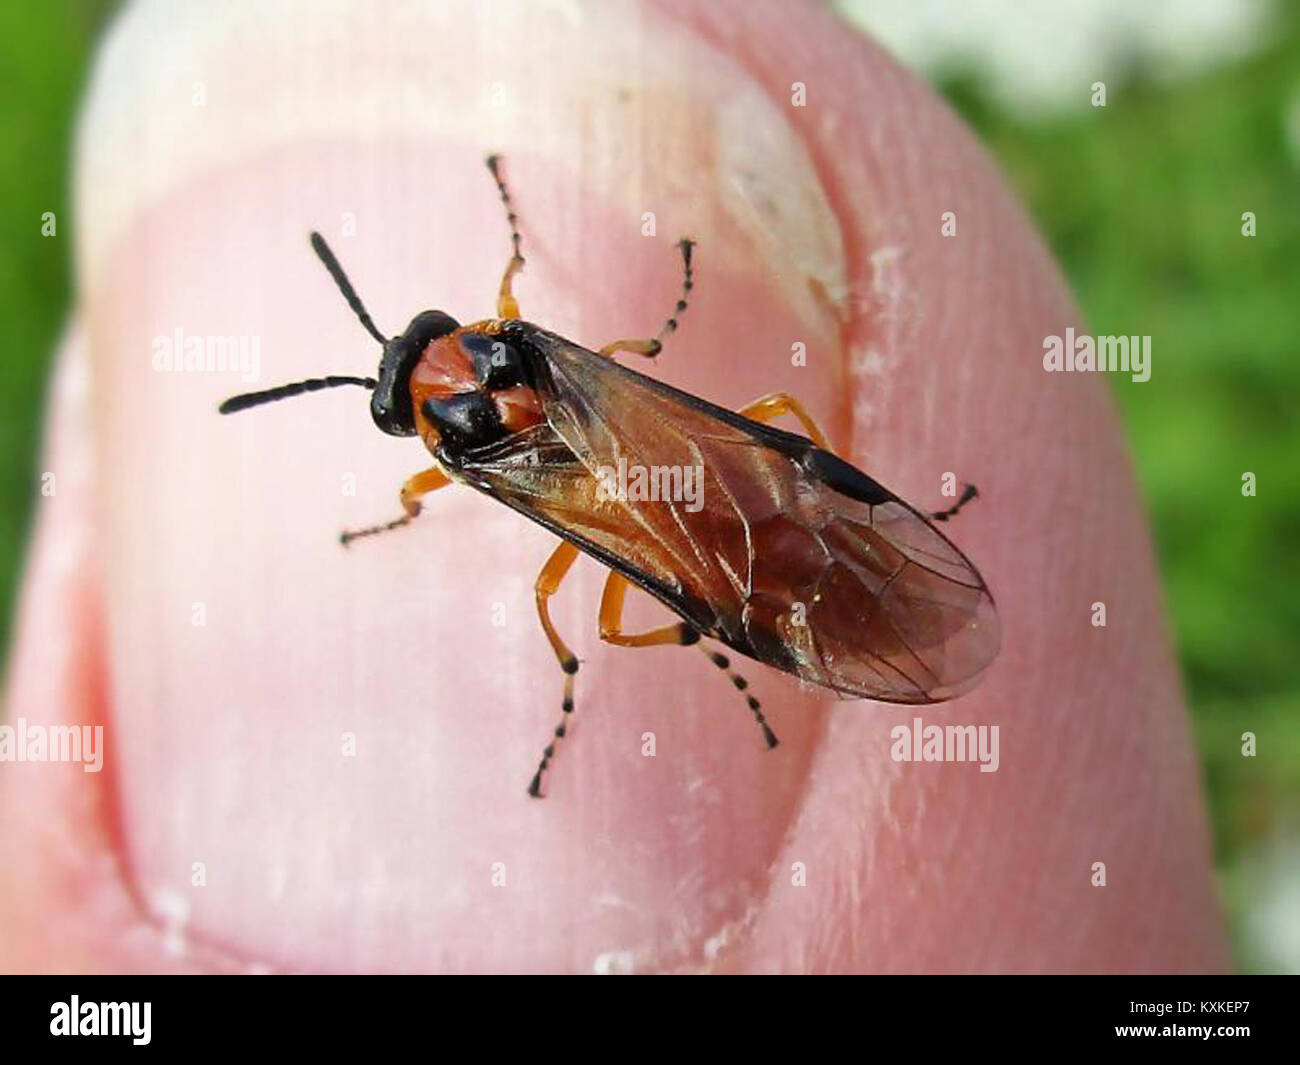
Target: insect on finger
point(781, 551)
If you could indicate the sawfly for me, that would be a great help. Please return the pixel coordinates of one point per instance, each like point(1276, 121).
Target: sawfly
point(785, 553)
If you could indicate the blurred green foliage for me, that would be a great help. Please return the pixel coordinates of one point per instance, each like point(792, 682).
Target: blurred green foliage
point(1142, 202)
point(44, 55)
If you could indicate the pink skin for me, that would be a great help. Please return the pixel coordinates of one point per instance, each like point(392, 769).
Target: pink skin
point(224, 740)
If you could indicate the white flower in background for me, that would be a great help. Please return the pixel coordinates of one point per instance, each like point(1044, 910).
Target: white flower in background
point(1038, 57)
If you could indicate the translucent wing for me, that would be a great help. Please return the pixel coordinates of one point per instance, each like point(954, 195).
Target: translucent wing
point(785, 553)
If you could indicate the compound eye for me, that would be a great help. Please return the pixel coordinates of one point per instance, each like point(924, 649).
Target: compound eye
point(390, 402)
point(427, 326)
point(497, 363)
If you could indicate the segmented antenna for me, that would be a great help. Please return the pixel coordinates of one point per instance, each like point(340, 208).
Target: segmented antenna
point(255, 399)
point(345, 286)
point(315, 384)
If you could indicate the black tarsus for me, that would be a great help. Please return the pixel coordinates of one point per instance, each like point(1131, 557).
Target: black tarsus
point(346, 537)
point(570, 669)
point(535, 785)
point(741, 685)
point(493, 164)
point(688, 283)
point(968, 493)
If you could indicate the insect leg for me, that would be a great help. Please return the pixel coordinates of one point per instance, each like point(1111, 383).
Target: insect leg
point(774, 404)
point(548, 581)
point(506, 305)
point(651, 348)
point(968, 493)
point(611, 622)
point(421, 484)
point(611, 631)
point(741, 684)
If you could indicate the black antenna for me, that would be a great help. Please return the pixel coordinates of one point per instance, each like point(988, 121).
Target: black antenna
point(256, 399)
point(315, 384)
point(345, 286)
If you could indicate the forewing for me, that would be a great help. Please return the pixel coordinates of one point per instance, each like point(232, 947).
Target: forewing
point(537, 474)
point(785, 552)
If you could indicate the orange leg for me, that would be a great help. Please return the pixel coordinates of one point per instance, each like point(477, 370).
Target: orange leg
point(548, 582)
point(648, 348)
point(421, 484)
point(611, 631)
point(611, 621)
point(507, 305)
point(651, 348)
point(774, 404)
